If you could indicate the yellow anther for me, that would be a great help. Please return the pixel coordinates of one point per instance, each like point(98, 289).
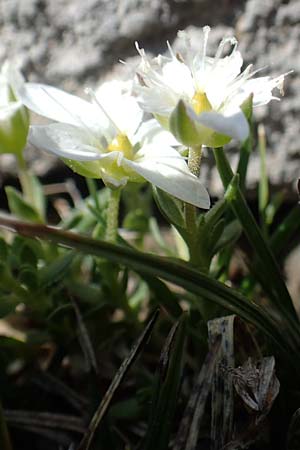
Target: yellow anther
point(201, 103)
point(122, 144)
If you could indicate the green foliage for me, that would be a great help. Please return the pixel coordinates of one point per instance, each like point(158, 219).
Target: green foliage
point(73, 304)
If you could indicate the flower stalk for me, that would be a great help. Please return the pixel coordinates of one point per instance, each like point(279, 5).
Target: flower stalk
point(190, 211)
point(113, 215)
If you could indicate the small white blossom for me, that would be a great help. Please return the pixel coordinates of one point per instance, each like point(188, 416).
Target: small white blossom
point(212, 89)
point(107, 139)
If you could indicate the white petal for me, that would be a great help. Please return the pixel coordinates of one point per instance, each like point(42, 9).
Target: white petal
point(8, 111)
point(178, 77)
point(261, 88)
point(157, 99)
point(152, 132)
point(4, 91)
point(66, 141)
point(222, 74)
point(166, 169)
point(115, 97)
point(231, 122)
point(61, 106)
point(13, 76)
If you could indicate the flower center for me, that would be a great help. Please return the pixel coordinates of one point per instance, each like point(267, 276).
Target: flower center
point(121, 144)
point(200, 102)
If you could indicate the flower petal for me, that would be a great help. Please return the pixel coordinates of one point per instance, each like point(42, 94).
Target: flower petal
point(166, 169)
point(61, 106)
point(65, 141)
point(116, 99)
point(9, 110)
point(152, 132)
point(232, 122)
point(261, 88)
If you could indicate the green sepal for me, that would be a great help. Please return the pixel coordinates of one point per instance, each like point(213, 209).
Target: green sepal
point(14, 132)
point(170, 207)
point(183, 127)
point(247, 107)
point(191, 133)
point(89, 169)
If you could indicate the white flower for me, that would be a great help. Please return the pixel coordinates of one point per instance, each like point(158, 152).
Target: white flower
point(107, 139)
point(212, 89)
point(14, 120)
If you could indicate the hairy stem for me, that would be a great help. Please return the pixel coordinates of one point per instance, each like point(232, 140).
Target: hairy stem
point(113, 215)
point(190, 211)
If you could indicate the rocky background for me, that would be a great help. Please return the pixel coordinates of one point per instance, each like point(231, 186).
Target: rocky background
point(73, 44)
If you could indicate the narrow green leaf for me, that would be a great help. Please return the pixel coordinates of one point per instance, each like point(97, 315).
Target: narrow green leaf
point(170, 270)
point(263, 187)
point(20, 207)
point(230, 235)
point(35, 193)
point(247, 145)
point(277, 289)
point(164, 296)
point(167, 383)
point(288, 227)
point(125, 366)
point(55, 271)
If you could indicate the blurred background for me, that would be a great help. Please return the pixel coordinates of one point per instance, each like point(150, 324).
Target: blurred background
point(73, 44)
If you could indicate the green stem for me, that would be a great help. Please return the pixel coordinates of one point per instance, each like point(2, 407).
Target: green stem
point(113, 215)
point(190, 211)
point(24, 178)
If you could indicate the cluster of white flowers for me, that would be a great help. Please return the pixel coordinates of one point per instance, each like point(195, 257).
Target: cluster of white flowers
point(108, 137)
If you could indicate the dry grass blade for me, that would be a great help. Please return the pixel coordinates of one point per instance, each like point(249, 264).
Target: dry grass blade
point(188, 432)
point(125, 366)
point(166, 384)
point(164, 359)
point(84, 340)
point(222, 400)
point(53, 385)
point(59, 437)
point(293, 437)
point(45, 420)
point(5, 442)
point(257, 385)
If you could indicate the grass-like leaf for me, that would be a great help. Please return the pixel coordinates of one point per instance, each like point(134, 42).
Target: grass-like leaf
point(125, 366)
point(277, 289)
point(175, 272)
point(167, 381)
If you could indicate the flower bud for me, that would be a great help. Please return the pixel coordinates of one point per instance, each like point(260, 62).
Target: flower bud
point(14, 117)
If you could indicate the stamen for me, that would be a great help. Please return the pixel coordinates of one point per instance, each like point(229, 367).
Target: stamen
point(232, 40)
point(141, 79)
point(141, 51)
point(179, 57)
point(206, 31)
point(171, 50)
point(184, 36)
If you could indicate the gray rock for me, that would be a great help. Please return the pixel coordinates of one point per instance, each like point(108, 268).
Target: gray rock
point(74, 43)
